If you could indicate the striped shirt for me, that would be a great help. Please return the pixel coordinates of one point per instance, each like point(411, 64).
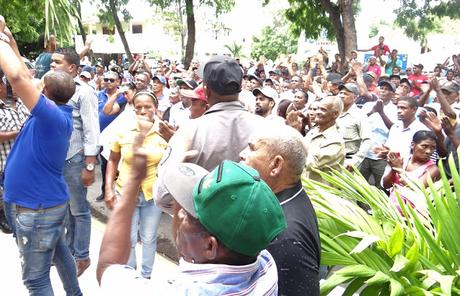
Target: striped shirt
point(259, 279)
point(10, 120)
point(85, 134)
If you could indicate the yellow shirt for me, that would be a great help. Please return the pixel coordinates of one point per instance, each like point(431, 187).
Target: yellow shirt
point(155, 146)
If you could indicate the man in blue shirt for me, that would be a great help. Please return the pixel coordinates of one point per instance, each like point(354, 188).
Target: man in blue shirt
point(36, 196)
point(108, 111)
point(107, 98)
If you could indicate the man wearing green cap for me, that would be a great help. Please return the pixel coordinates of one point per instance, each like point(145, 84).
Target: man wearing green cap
point(222, 252)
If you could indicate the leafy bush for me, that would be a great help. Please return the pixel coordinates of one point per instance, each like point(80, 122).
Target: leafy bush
point(386, 253)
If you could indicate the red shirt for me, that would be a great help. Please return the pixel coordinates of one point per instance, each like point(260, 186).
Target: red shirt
point(383, 47)
point(417, 80)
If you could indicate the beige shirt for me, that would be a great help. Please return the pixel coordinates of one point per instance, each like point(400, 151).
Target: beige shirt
point(355, 129)
point(324, 150)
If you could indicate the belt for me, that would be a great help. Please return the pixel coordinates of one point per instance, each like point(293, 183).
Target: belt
point(21, 209)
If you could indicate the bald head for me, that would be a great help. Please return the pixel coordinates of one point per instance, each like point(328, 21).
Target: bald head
point(59, 86)
point(277, 142)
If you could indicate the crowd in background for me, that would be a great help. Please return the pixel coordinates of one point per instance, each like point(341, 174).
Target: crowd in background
point(388, 121)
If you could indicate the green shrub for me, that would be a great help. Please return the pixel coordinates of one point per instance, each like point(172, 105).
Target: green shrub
point(386, 253)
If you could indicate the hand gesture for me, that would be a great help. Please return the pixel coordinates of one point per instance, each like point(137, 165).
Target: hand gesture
point(110, 199)
point(434, 84)
point(166, 130)
point(88, 42)
point(430, 120)
point(381, 151)
point(378, 107)
point(357, 67)
point(144, 126)
point(448, 127)
point(394, 160)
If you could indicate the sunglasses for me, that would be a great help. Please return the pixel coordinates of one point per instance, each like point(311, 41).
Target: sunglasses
point(111, 80)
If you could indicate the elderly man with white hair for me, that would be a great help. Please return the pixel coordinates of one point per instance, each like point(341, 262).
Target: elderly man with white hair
point(325, 145)
point(279, 154)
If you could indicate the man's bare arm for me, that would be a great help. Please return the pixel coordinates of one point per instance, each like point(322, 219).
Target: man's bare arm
point(16, 72)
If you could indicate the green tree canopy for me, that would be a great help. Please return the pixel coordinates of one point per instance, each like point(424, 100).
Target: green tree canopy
point(418, 21)
point(274, 41)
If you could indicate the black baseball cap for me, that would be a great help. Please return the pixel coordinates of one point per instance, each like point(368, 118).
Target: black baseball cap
point(222, 74)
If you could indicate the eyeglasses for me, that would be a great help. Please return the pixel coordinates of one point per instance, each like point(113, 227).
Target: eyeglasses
point(111, 80)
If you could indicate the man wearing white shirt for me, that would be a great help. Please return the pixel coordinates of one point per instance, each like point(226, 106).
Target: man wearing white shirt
point(381, 115)
point(180, 112)
point(402, 132)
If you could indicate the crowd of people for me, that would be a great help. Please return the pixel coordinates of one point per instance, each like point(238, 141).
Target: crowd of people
point(221, 147)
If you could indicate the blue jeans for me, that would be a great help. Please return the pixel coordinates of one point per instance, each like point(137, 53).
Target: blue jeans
point(146, 219)
point(79, 220)
point(41, 242)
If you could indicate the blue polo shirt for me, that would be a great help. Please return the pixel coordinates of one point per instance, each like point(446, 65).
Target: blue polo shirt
point(105, 120)
point(33, 172)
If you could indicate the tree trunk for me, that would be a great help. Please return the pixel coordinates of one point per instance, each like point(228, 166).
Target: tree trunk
point(113, 9)
point(182, 30)
point(334, 15)
point(190, 47)
point(349, 29)
point(80, 24)
point(82, 31)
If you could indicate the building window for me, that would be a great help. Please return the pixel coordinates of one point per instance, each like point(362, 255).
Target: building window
point(137, 29)
point(108, 31)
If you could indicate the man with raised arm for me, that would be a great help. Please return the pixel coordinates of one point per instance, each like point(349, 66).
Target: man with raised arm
point(36, 196)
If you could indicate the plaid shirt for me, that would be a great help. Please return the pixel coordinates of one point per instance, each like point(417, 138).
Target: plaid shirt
point(10, 120)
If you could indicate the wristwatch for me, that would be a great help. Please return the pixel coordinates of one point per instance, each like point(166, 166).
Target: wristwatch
point(90, 167)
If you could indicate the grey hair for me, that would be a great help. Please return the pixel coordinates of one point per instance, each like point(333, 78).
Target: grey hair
point(284, 141)
point(337, 103)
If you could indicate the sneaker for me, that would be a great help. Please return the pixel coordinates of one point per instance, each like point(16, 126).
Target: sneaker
point(82, 265)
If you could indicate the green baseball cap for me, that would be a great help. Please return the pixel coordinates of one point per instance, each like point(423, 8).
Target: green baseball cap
point(232, 202)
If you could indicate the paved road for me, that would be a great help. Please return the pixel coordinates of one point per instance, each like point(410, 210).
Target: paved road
point(11, 268)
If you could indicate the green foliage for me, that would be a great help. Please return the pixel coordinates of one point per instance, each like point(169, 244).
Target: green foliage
point(310, 16)
point(59, 20)
point(418, 21)
point(105, 13)
point(387, 253)
point(24, 18)
point(274, 41)
point(235, 50)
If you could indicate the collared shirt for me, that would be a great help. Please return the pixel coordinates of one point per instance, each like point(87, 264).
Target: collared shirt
point(10, 120)
point(85, 133)
point(34, 169)
point(354, 128)
point(258, 278)
point(297, 249)
point(220, 134)
point(379, 131)
point(324, 150)
point(179, 115)
point(154, 145)
point(400, 138)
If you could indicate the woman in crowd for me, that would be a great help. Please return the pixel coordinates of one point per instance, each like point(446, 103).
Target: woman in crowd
point(418, 167)
point(147, 216)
